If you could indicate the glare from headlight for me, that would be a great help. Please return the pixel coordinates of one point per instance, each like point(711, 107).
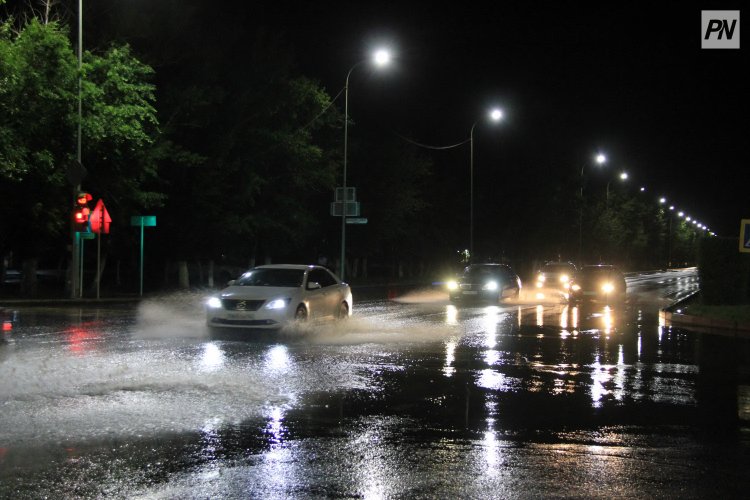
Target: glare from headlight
point(564, 278)
point(490, 285)
point(575, 287)
point(214, 303)
point(608, 288)
point(541, 278)
point(277, 304)
point(452, 285)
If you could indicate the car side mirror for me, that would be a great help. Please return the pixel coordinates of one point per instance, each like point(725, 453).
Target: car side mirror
point(313, 285)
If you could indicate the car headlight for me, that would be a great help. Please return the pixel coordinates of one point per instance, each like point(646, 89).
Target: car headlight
point(278, 304)
point(452, 285)
point(490, 285)
point(214, 303)
point(608, 288)
point(575, 287)
point(541, 278)
point(564, 278)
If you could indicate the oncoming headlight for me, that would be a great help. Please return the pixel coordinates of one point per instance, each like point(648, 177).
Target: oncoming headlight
point(277, 304)
point(490, 285)
point(214, 303)
point(608, 288)
point(541, 278)
point(452, 285)
point(575, 287)
point(564, 278)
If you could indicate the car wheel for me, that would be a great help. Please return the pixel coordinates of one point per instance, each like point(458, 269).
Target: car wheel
point(300, 315)
point(343, 312)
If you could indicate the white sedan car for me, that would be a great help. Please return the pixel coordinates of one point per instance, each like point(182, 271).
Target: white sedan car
point(271, 296)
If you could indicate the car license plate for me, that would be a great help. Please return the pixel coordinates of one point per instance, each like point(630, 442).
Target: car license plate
point(240, 315)
point(470, 292)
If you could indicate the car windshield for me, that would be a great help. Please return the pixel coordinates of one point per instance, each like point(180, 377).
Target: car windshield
point(288, 278)
point(557, 268)
point(598, 271)
point(481, 272)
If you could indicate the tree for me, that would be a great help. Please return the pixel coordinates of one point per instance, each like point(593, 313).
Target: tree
point(38, 100)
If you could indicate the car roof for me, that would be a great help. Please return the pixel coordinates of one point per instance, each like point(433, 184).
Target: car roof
point(559, 264)
point(488, 264)
point(299, 267)
point(599, 267)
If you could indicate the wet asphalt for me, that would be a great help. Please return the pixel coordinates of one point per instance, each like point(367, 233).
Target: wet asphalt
point(411, 398)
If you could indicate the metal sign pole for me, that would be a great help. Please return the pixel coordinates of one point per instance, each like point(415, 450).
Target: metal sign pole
point(141, 289)
point(80, 270)
point(98, 261)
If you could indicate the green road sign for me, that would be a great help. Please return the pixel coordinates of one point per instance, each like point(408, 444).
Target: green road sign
point(143, 220)
point(356, 220)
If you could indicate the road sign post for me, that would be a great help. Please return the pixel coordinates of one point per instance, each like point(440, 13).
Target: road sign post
point(100, 221)
point(142, 221)
point(745, 235)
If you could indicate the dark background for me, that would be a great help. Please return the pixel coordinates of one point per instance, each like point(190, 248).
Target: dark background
point(627, 79)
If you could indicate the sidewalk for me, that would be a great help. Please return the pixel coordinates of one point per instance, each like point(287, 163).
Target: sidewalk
point(673, 316)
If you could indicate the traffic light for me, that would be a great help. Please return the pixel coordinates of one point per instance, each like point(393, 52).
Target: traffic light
point(82, 211)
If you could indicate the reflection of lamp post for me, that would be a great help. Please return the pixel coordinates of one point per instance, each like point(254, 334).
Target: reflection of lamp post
point(600, 159)
point(495, 115)
point(380, 58)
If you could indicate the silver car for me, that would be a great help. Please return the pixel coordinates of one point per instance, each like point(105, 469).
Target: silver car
point(272, 296)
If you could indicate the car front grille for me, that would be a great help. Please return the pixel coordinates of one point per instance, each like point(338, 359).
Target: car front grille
point(241, 305)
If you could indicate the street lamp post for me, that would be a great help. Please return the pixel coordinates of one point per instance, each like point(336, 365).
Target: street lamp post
point(495, 115)
point(600, 159)
point(623, 177)
point(380, 58)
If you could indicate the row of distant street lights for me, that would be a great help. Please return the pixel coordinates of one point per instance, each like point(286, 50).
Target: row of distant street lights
point(600, 159)
point(380, 59)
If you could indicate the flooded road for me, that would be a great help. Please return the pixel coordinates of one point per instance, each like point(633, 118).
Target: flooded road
point(411, 398)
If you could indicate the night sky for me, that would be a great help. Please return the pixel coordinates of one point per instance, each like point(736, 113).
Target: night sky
point(626, 78)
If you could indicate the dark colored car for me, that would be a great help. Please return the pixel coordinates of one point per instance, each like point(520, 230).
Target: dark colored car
point(598, 283)
point(555, 277)
point(491, 282)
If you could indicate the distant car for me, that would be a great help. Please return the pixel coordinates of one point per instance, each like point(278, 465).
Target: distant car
point(598, 283)
point(555, 277)
point(269, 297)
point(492, 282)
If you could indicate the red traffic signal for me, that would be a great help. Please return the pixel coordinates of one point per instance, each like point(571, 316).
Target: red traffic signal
point(83, 198)
point(81, 212)
point(81, 215)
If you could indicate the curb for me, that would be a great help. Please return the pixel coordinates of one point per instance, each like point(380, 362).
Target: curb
point(671, 316)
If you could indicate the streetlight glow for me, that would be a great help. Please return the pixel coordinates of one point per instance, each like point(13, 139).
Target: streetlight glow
point(382, 57)
point(624, 176)
point(601, 159)
point(662, 200)
point(495, 115)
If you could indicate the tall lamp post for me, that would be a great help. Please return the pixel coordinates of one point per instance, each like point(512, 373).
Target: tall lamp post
point(495, 115)
point(380, 58)
point(623, 177)
point(600, 159)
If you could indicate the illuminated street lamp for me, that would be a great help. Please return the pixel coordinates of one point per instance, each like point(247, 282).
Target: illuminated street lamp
point(623, 177)
point(380, 58)
point(599, 159)
point(495, 115)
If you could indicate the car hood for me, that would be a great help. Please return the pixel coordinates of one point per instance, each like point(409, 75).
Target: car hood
point(257, 292)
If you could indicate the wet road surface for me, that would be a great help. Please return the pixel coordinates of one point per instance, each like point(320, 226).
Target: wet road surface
point(411, 398)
